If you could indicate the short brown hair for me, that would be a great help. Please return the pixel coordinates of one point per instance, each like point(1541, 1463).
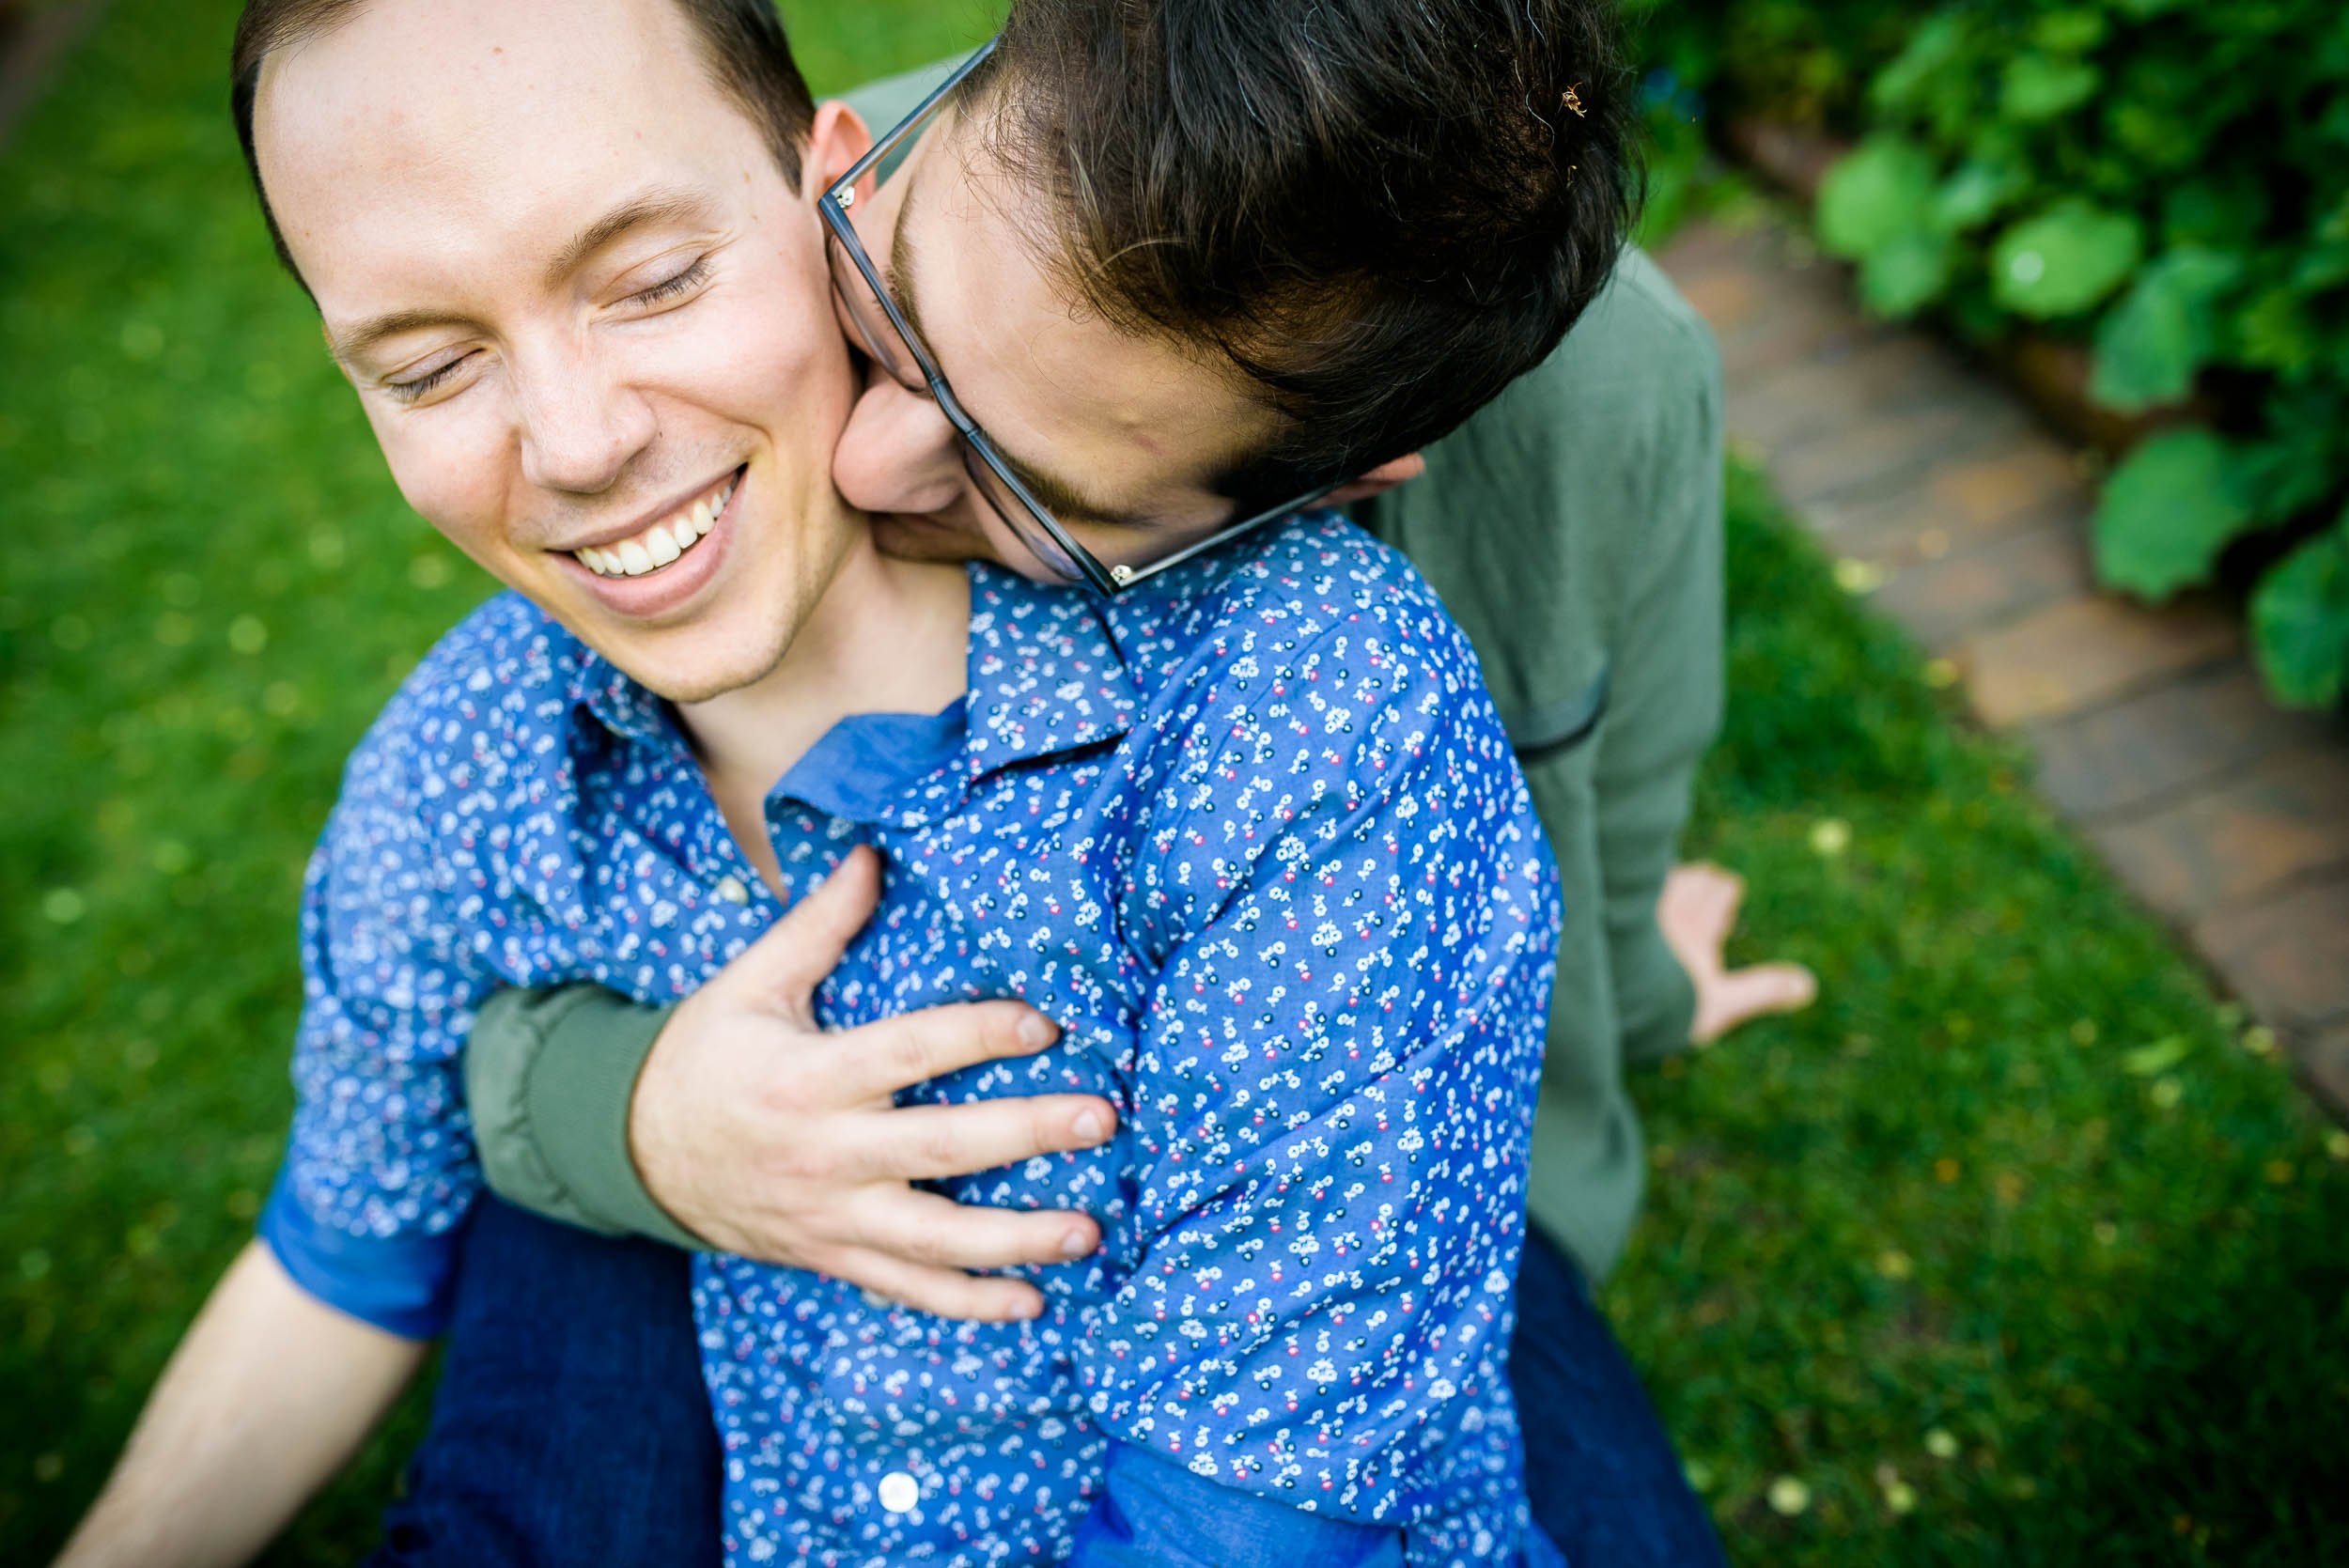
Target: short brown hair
point(1379, 212)
point(742, 45)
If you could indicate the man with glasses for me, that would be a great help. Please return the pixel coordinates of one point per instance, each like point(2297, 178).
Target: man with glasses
point(896, 349)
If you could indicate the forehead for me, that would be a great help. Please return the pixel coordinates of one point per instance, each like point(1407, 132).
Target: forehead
point(426, 130)
point(1123, 415)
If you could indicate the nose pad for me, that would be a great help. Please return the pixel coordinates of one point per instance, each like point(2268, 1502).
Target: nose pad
point(898, 453)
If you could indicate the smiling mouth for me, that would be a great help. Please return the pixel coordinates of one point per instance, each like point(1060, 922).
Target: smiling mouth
point(666, 541)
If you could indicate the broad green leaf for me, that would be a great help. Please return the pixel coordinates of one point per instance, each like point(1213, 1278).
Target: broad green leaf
point(2274, 332)
point(1977, 193)
point(1881, 191)
point(2300, 621)
point(1907, 273)
point(2063, 260)
point(2279, 477)
point(2164, 328)
point(2167, 512)
point(2298, 463)
point(2040, 87)
point(1937, 45)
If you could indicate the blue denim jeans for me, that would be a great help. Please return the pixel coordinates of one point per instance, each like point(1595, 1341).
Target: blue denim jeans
point(571, 1428)
point(1604, 1480)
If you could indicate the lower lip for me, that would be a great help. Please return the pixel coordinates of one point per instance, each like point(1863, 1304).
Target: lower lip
point(659, 593)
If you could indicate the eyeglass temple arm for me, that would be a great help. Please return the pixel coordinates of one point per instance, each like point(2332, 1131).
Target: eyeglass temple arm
point(843, 190)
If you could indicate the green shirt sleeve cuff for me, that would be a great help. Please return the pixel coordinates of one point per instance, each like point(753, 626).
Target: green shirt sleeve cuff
point(548, 1077)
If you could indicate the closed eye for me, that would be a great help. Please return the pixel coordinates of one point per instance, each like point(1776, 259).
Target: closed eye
point(675, 286)
point(415, 389)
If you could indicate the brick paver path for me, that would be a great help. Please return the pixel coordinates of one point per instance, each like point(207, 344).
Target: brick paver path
point(2227, 815)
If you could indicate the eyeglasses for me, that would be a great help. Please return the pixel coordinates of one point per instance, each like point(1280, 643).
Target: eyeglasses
point(889, 339)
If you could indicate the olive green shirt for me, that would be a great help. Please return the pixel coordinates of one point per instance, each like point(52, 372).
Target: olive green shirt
point(1573, 526)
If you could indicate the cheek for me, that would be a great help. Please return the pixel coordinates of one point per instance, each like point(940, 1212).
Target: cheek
point(452, 465)
point(761, 359)
point(897, 454)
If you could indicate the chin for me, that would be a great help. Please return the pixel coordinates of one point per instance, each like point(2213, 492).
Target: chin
point(685, 676)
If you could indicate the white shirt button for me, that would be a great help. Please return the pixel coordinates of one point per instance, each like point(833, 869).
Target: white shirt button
point(899, 1492)
point(732, 890)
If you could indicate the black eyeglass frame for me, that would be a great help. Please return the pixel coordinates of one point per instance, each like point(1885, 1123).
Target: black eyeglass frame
point(1101, 577)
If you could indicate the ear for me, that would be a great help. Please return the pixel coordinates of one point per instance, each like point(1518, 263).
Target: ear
point(837, 140)
point(1384, 478)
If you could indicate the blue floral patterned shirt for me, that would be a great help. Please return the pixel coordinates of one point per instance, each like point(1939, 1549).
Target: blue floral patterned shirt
point(1251, 835)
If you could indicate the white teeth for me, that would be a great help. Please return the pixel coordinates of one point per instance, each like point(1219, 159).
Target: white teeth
point(659, 545)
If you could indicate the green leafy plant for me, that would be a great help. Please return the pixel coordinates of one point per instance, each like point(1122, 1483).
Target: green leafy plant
point(2167, 513)
point(2165, 182)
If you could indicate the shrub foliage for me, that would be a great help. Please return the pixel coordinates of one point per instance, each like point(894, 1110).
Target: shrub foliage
point(2167, 180)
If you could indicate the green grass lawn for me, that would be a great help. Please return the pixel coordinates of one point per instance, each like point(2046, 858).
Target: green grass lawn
point(2017, 1249)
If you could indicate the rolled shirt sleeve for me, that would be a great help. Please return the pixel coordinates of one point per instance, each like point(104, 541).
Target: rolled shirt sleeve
point(379, 1169)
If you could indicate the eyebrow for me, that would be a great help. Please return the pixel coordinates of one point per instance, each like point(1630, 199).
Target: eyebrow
point(652, 208)
point(1063, 499)
point(348, 347)
point(644, 211)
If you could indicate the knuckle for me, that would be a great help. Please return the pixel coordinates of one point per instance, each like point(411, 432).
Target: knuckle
point(908, 1055)
point(940, 1149)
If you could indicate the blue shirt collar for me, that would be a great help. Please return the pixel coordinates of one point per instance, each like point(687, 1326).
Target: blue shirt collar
point(616, 701)
point(1044, 670)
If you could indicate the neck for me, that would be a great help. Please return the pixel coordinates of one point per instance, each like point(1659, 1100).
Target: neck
point(889, 636)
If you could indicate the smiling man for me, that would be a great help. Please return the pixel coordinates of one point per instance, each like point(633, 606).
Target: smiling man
point(1247, 830)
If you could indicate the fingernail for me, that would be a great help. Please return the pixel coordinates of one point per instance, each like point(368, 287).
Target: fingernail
point(1036, 1032)
point(1076, 1244)
point(1088, 1126)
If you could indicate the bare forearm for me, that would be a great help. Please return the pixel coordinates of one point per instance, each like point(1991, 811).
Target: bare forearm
point(266, 1399)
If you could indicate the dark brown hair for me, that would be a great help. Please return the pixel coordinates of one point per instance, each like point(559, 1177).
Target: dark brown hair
point(1380, 212)
point(742, 46)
